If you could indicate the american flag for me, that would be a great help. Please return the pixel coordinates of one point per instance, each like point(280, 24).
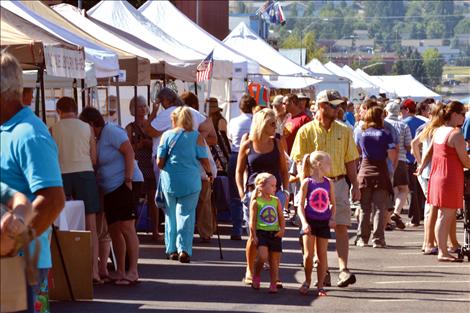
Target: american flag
point(204, 69)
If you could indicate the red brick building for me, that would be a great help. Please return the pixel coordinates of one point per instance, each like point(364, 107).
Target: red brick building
point(209, 14)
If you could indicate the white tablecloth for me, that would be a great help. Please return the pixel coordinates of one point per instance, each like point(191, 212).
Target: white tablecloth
point(72, 216)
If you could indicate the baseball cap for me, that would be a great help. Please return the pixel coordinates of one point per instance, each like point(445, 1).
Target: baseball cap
point(277, 100)
point(409, 104)
point(393, 108)
point(329, 96)
point(301, 95)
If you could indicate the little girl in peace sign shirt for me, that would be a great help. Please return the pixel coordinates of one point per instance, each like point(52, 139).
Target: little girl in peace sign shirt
point(317, 213)
point(266, 228)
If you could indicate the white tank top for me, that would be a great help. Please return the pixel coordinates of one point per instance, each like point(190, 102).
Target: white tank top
point(72, 137)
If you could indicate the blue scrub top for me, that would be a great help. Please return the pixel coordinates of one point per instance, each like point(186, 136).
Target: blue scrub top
point(29, 162)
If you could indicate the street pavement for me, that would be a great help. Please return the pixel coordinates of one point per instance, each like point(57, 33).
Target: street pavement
point(396, 279)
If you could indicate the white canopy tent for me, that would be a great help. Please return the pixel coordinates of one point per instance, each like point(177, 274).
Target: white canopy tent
point(341, 84)
point(358, 87)
point(170, 65)
point(406, 86)
point(121, 17)
point(317, 67)
point(177, 25)
point(373, 89)
point(106, 62)
point(290, 75)
point(376, 81)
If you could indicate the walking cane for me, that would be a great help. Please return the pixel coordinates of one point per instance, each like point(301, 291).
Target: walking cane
point(216, 221)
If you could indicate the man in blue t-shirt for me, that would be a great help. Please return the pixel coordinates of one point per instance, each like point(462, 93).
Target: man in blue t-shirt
point(466, 131)
point(29, 164)
point(416, 211)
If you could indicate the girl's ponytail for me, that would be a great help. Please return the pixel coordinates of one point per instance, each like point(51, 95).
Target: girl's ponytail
point(306, 167)
point(255, 194)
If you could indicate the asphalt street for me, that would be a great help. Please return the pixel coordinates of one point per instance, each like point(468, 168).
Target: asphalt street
point(395, 279)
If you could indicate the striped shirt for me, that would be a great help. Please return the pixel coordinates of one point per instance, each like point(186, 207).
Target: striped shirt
point(404, 135)
point(337, 141)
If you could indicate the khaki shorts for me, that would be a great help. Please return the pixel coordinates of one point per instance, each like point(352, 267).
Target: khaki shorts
point(343, 208)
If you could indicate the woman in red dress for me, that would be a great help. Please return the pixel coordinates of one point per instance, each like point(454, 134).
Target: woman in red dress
point(449, 157)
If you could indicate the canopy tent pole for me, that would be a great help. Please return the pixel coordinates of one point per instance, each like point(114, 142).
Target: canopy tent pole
point(38, 90)
point(118, 100)
point(195, 88)
point(82, 83)
point(43, 96)
point(148, 96)
point(75, 92)
point(135, 104)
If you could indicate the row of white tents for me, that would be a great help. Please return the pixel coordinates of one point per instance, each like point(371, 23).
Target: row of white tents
point(131, 46)
point(363, 84)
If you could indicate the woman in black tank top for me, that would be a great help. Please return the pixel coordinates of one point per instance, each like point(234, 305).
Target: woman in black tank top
point(260, 152)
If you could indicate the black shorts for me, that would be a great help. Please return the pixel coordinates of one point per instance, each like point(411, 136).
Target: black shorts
point(319, 229)
point(269, 239)
point(118, 205)
point(400, 176)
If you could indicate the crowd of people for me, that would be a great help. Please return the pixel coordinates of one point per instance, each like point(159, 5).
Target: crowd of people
point(301, 162)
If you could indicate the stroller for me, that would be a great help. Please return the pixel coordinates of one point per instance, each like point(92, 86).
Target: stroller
point(465, 250)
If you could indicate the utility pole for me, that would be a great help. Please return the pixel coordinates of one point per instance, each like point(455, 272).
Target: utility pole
point(300, 57)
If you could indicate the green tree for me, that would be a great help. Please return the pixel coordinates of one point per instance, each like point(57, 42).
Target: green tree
point(433, 65)
point(435, 29)
point(410, 62)
point(463, 27)
point(375, 69)
point(308, 42)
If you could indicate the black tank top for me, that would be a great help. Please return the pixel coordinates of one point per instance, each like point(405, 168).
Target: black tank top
point(264, 162)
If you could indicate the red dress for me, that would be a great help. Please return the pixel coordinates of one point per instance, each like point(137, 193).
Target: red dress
point(445, 189)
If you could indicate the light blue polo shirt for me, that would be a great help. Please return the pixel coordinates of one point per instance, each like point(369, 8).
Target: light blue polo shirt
point(29, 162)
point(111, 162)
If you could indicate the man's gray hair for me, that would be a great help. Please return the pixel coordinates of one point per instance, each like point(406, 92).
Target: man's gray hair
point(11, 77)
point(168, 94)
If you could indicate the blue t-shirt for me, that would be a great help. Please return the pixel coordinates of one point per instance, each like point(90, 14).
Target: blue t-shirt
point(375, 143)
point(413, 123)
point(466, 130)
point(349, 117)
point(29, 162)
point(181, 174)
point(111, 163)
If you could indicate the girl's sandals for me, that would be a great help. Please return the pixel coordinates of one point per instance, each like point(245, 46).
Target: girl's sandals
point(247, 280)
point(304, 288)
point(273, 287)
point(256, 283)
point(321, 292)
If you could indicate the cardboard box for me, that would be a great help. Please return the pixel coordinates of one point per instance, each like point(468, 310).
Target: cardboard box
point(77, 254)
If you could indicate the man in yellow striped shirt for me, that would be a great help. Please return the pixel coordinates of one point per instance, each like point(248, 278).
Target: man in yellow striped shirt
point(326, 134)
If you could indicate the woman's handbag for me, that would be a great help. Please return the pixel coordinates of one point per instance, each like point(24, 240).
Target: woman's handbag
point(160, 201)
point(16, 272)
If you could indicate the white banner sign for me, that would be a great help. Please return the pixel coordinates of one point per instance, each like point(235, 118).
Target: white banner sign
point(64, 62)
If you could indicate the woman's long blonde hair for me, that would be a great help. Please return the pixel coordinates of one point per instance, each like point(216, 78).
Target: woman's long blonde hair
point(260, 120)
point(312, 160)
point(437, 120)
point(260, 180)
point(183, 118)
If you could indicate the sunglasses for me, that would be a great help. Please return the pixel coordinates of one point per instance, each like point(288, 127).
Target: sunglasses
point(334, 107)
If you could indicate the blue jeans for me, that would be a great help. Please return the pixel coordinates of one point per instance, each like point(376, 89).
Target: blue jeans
point(235, 205)
point(179, 222)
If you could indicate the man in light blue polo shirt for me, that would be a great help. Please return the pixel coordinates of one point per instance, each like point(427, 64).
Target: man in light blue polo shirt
point(29, 164)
